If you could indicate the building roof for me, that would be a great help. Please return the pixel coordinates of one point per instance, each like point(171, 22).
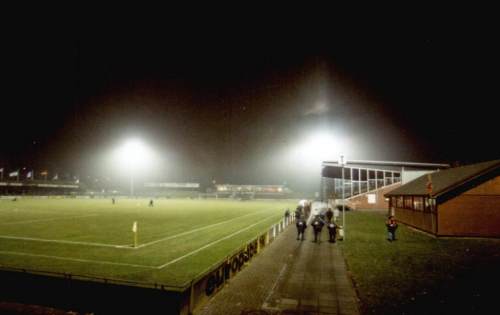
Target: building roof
point(387, 163)
point(446, 180)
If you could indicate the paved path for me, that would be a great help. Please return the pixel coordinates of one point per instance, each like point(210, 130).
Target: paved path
point(289, 277)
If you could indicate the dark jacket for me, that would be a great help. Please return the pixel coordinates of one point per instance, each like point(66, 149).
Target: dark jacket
point(301, 225)
point(392, 225)
point(317, 224)
point(329, 214)
point(331, 226)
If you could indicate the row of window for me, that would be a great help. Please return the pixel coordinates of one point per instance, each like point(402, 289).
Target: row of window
point(358, 174)
point(416, 203)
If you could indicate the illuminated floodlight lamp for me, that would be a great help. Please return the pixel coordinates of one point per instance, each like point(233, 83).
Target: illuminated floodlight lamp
point(320, 146)
point(132, 157)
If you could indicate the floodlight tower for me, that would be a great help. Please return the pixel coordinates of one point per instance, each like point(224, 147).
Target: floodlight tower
point(133, 156)
point(343, 163)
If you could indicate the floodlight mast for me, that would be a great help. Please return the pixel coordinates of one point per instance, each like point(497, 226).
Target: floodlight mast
point(342, 162)
point(133, 155)
point(131, 185)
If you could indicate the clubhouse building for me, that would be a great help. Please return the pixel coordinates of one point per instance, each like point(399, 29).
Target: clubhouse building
point(461, 201)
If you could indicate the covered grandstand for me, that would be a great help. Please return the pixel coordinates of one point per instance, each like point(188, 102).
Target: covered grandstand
point(363, 183)
point(39, 187)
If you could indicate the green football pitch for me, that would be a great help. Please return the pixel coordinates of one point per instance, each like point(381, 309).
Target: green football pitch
point(177, 240)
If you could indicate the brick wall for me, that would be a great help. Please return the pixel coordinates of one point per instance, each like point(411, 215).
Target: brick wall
point(362, 201)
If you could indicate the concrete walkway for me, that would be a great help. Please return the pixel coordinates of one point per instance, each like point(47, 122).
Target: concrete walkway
point(289, 277)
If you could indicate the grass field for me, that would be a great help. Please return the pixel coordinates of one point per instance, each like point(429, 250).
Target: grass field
point(177, 239)
point(419, 274)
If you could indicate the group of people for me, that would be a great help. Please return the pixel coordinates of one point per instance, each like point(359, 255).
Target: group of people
point(319, 221)
point(317, 224)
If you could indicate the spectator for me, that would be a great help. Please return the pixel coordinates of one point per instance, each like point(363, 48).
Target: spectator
point(317, 225)
point(301, 225)
point(287, 215)
point(307, 209)
point(329, 215)
point(392, 226)
point(332, 231)
point(298, 212)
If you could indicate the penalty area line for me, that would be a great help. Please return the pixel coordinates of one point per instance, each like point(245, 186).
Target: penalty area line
point(34, 239)
point(195, 230)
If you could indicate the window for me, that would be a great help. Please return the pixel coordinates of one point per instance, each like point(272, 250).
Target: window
point(363, 175)
point(399, 202)
point(418, 203)
point(408, 202)
point(430, 205)
point(397, 177)
point(355, 174)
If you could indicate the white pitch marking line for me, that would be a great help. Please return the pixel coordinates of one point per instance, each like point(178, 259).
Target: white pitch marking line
point(210, 244)
point(21, 238)
point(194, 230)
point(133, 265)
point(78, 259)
point(127, 246)
point(51, 219)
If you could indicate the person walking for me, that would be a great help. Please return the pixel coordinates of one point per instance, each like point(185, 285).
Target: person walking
point(329, 215)
point(301, 225)
point(317, 225)
point(298, 212)
point(287, 216)
point(392, 226)
point(332, 231)
point(307, 209)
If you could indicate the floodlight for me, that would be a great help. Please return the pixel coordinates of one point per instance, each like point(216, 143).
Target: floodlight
point(133, 156)
point(320, 146)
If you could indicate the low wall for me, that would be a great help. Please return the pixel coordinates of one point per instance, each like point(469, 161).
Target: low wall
point(208, 283)
point(70, 293)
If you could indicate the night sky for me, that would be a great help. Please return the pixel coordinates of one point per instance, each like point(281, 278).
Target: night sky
point(229, 102)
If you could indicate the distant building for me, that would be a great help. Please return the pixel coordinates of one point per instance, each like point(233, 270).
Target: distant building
point(255, 191)
point(39, 187)
point(461, 201)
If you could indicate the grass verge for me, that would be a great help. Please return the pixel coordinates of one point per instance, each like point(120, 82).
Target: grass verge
point(419, 274)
